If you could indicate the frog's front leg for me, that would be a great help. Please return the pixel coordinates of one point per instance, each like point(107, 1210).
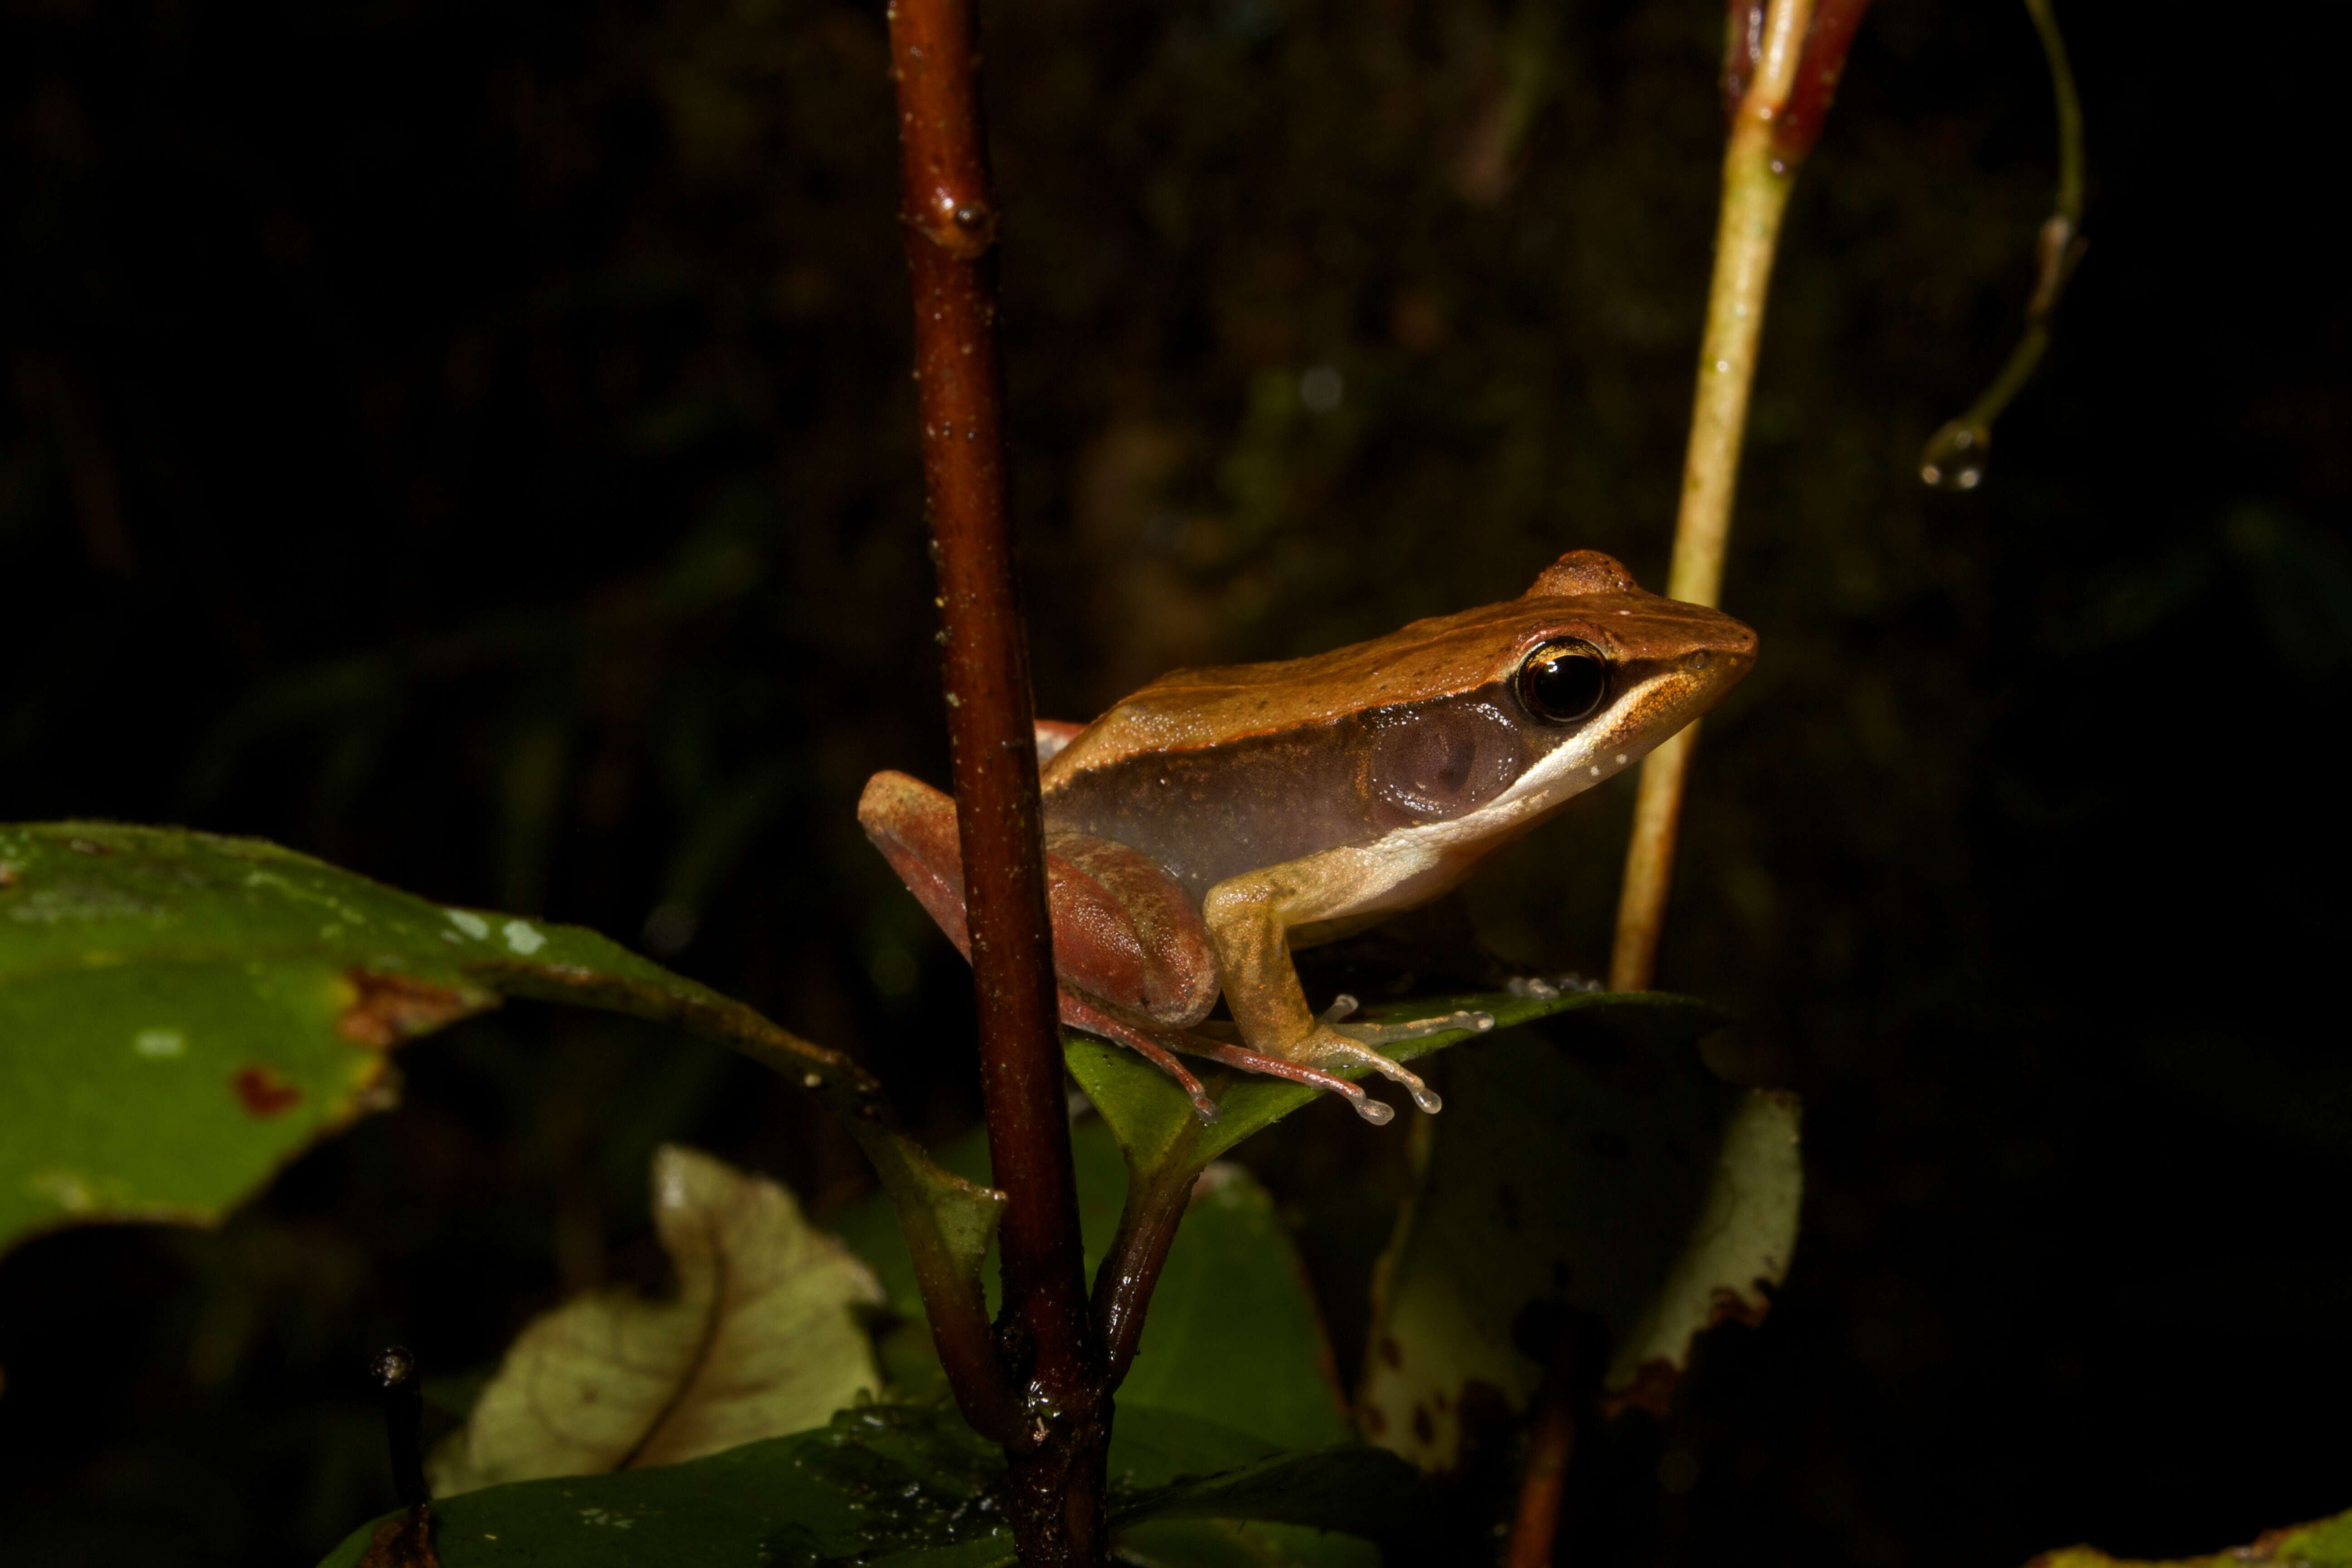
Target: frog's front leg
point(1250, 918)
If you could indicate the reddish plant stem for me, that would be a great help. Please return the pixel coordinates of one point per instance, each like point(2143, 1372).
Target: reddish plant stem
point(1828, 38)
point(1552, 1442)
point(1045, 1335)
point(1130, 1270)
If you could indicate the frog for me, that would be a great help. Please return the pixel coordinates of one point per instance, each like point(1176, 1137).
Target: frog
point(1217, 820)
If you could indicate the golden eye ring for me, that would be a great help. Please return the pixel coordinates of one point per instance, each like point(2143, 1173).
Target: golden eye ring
point(1563, 681)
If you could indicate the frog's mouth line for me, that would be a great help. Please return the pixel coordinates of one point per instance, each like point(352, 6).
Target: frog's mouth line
point(1408, 865)
point(1657, 705)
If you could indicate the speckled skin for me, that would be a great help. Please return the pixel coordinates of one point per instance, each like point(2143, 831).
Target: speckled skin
point(1217, 818)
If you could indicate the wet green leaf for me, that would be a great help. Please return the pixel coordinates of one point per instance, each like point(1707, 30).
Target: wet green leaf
point(1575, 1172)
point(1156, 1124)
point(181, 1013)
point(873, 1480)
point(759, 1339)
point(2324, 1545)
point(906, 1486)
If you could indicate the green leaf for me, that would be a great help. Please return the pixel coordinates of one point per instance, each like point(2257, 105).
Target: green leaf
point(1576, 1171)
point(180, 1014)
point(2324, 1545)
point(1354, 1488)
point(1241, 1543)
point(1233, 1334)
point(759, 1339)
point(875, 1479)
point(1153, 1449)
point(872, 1228)
point(906, 1486)
point(1156, 1124)
point(994, 1551)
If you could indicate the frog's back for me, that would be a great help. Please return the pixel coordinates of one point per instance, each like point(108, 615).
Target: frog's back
point(1220, 770)
point(1191, 710)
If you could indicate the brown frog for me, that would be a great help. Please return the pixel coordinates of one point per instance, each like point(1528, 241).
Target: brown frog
point(1218, 818)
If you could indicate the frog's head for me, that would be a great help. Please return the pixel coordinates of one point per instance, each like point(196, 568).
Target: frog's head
point(1608, 668)
point(1509, 710)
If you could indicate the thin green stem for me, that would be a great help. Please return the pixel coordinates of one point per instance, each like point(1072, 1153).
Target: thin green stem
point(1955, 456)
point(1757, 179)
point(2070, 111)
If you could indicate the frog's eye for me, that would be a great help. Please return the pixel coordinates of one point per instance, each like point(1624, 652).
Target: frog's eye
point(1563, 681)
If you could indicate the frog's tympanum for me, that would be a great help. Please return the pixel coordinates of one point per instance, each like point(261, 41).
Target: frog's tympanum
point(1218, 818)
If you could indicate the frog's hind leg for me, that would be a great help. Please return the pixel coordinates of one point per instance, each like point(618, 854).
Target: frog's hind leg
point(1161, 1052)
point(1378, 1112)
point(1077, 1015)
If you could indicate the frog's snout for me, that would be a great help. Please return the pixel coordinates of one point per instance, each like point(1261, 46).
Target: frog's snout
point(1714, 662)
point(1726, 654)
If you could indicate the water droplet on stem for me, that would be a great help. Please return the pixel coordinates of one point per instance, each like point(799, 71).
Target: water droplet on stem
point(1955, 456)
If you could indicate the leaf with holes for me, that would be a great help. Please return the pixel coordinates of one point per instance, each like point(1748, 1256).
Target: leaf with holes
point(1576, 1174)
point(2324, 1545)
point(180, 1014)
point(760, 1338)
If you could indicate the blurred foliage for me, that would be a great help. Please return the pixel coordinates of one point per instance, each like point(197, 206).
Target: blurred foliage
point(472, 443)
point(182, 1012)
point(761, 1335)
point(2324, 1545)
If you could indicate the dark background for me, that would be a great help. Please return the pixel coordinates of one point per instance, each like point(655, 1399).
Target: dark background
point(473, 442)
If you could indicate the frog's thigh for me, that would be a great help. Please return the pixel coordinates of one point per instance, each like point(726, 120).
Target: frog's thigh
point(1126, 933)
point(914, 826)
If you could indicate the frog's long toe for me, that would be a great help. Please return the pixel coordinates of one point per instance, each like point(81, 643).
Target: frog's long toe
point(1375, 1111)
point(1422, 1095)
point(1349, 1045)
point(1077, 1014)
point(1417, 1029)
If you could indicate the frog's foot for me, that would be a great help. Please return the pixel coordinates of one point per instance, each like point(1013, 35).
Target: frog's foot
point(1336, 1041)
point(1331, 1046)
point(1544, 987)
point(1077, 1015)
point(1375, 1111)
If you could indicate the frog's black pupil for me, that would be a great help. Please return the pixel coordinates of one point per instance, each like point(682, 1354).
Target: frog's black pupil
point(1563, 682)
